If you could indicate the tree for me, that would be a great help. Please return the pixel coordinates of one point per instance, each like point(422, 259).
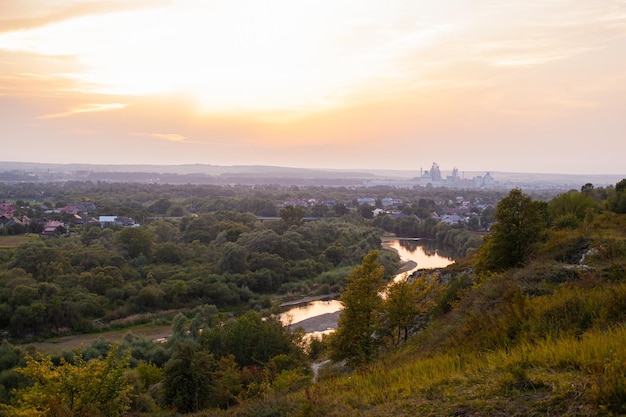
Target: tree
point(407, 303)
point(617, 202)
point(569, 209)
point(135, 241)
point(320, 210)
point(228, 384)
point(188, 383)
point(251, 339)
point(340, 209)
point(234, 258)
point(519, 224)
point(587, 188)
point(293, 216)
point(96, 388)
point(11, 357)
point(366, 211)
point(354, 339)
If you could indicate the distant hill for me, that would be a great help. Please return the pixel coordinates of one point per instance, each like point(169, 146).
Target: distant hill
point(264, 174)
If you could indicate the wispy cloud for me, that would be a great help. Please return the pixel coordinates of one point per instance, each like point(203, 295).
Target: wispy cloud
point(30, 14)
point(87, 108)
point(171, 137)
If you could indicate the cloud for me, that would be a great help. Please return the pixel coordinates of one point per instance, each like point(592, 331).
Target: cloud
point(87, 108)
point(31, 14)
point(171, 137)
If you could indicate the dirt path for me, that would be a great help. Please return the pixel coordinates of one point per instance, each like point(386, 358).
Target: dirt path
point(315, 367)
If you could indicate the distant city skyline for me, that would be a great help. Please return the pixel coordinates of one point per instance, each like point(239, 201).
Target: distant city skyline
point(493, 85)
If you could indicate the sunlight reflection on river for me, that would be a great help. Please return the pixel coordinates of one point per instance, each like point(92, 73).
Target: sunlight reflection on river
point(414, 250)
point(308, 310)
point(408, 249)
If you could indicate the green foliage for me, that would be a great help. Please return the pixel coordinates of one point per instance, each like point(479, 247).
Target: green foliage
point(251, 339)
point(11, 357)
point(98, 387)
point(40, 260)
point(135, 241)
point(55, 287)
point(407, 304)
point(228, 383)
point(520, 223)
point(292, 216)
point(617, 202)
point(354, 339)
point(568, 210)
point(188, 383)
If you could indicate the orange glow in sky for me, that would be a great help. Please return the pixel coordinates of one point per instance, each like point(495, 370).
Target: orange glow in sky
point(493, 85)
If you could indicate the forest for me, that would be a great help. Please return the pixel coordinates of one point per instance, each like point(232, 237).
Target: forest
point(203, 263)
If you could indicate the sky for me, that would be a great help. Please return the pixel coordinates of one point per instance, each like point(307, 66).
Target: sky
point(481, 85)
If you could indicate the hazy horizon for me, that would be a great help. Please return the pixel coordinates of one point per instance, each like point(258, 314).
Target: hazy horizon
point(494, 85)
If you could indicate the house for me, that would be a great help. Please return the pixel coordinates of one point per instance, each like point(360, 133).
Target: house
point(69, 209)
point(7, 220)
point(6, 208)
point(367, 200)
point(123, 221)
point(399, 215)
point(4, 218)
point(54, 227)
point(450, 219)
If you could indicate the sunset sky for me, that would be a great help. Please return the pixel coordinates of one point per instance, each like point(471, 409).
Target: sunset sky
point(482, 85)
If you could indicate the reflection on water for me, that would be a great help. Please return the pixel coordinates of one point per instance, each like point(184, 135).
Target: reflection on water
point(306, 311)
point(424, 253)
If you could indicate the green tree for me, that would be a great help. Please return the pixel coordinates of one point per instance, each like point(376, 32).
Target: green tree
point(166, 232)
point(168, 252)
point(366, 211)
point(251, 339)
point(587, 188)
point(293, 216)
point(320, 210)
point(11, 357)
point(617, 202)
point(340, 209)
point(135, 241)
point(569, 209)
point(39, 260)
point(354, 339)
point(188, 384)
point(407, 304)
point(228, 385)
point(519, 224)
point(95, 388)
point(234, 258)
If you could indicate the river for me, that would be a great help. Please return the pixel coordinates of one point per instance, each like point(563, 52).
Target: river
point(320, 316)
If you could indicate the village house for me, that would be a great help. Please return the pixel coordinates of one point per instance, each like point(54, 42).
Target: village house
point(121, 221)
point(6, 208)
point(54, 227)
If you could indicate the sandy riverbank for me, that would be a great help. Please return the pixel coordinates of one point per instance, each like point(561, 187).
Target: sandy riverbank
point(319, 323)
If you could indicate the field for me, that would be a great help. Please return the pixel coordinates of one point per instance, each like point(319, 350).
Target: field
point(66, 343)
point(13, 241)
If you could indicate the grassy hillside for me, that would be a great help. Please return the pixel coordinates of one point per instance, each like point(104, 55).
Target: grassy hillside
point(547, 338)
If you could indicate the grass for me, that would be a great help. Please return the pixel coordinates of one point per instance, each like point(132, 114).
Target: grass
point(569, 376)
point(66, 343)
point(16, 240)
